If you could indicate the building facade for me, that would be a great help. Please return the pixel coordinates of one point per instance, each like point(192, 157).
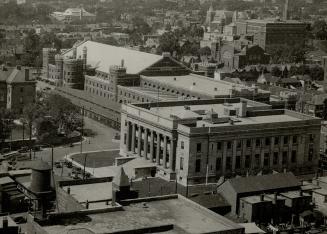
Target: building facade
point(200, 140)
point(17, 88)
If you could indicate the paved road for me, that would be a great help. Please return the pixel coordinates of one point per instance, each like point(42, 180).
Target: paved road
point(101, 141)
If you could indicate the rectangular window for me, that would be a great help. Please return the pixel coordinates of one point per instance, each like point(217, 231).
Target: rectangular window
point(294, 139)
point(198, 165)
point(239, 144)
point(293, 158)
point(275, 159)
point(285, 140)
point(312, 137)
point(276, 140)
point(182, 144)
point(228, 163)
point(248, 143)
point(229, 145)
point(198, 147)
point(257, 142)
point(125, 138)
point(267, 141)
point(181, 163)
point(218, 146)
point(238, 162)
point(266, 160)
point(21, 89)
point(257, 160)
point(310, 156)
point(247, 161)
point(284, 158)
point(218, 164)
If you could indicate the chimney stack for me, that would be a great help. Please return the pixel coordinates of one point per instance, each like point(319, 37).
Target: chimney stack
point(285, 13)
point(27, 74)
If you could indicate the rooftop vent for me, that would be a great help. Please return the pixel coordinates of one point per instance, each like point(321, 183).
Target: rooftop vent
point(174, 78)
point(194, 83)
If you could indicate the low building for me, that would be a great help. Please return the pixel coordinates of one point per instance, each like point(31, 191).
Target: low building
point(17, 88)
point(200, 140)
point(73, 15)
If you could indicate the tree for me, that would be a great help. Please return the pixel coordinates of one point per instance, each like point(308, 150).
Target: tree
point(169, 42)
point(275, 71)
point(6, 124)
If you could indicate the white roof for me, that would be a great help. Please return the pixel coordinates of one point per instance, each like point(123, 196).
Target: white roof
point(103, 56)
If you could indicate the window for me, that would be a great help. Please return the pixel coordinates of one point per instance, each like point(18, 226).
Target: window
point(125, 138)
point(284, 158)
point(228, 163)
point(182, 144)
point(247, 161)
point(257, 160)
point(248, 143)
point(312, 137)
point(285, 140)
point(257, 142)
point(310, 156)
point(21, 100)
point(229, 145)
point(198, 165)
point(239, 144)
point(238, 162)
point(266, 160)
point(181, 163)
point(276, 140)
point(218, 164)
point(294, 139)
point(21, 89)
point(275, 158)
point(293, 157)
point(198, 147)
point(218, 146)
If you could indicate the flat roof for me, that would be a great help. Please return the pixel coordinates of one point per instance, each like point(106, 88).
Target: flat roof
point(274, 21)
point(202, 84)
point(184, 215)
point(294, 194)
point(198, 111)
point(255, 199)
point(90, 192)
point(162, 96)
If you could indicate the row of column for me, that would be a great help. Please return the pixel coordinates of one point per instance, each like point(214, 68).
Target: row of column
point(134, 136)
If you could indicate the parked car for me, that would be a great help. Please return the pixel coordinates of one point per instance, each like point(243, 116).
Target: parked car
point(58, 164)
point(23, 149)
point(36, 148)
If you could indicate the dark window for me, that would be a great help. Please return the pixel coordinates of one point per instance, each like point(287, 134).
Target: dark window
point(238, 162)
point(294, 139)
point(198, 165)
point(275, 159)
point(228, 163)
point(284, 158)
point(229, 145)
point(218, 146)
point(257, 160)
point(285, 140)
point(247, 161)
point(266, 160)
point(21, 89)
point(267, 141)
point(125, 138)
point(310, 156)
point(276, 140)
point(257, 142)
point(239, 144)
point(312, 137)
point(218, 164)
point(182, 144)
point(198, 147)
point(293, 158)
point(181, 163)
point(248, 143)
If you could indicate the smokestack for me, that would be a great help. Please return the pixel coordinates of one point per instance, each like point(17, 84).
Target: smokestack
point(243, 109)
point(122, 63)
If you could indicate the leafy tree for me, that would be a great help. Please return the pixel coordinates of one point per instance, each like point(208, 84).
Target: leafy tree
point(6, 124)
point(275, 71)
point(169, 42)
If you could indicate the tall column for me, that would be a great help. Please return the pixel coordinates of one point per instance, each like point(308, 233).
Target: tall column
point(164, 160)
point(133, 137)
point(224, 156)
point(151, 145)
point(139, 141)
point(171, 155)
point(145, 146)
point(158, 149)
point(234, 155)
point(128, 135)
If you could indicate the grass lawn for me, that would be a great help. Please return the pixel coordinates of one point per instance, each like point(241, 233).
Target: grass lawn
point(97, 159)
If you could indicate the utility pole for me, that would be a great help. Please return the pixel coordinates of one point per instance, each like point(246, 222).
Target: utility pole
point(82, 131)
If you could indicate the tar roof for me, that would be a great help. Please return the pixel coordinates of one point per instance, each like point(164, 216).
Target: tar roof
point(264, 182)
point(201, 84)
point(103, 56)
point(172, 211)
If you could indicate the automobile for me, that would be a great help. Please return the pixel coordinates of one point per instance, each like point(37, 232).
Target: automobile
point(74, 176)
point(77, 170)
point(87, 174)
point(23, 150)
point(36, 148)
point(58, 165)
point(69, 164)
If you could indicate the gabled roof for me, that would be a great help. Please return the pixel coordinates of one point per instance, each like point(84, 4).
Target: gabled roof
point(104, 56)
point(264, 182)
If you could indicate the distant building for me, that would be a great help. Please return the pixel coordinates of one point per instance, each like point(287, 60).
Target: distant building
point(17, 88)
point(217, 19)
point(198, 140)
point(270, 33)
point(72, 15)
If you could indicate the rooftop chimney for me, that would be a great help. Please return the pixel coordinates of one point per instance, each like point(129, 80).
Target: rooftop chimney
point(122, 63)
point(243, 109)
point(27, 74)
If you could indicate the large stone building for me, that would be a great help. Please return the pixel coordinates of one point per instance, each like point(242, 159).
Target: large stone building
point(17, 88)
point(200, 140)
point(270, 33)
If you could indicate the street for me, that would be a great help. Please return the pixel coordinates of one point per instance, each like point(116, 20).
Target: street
point(101, 141)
